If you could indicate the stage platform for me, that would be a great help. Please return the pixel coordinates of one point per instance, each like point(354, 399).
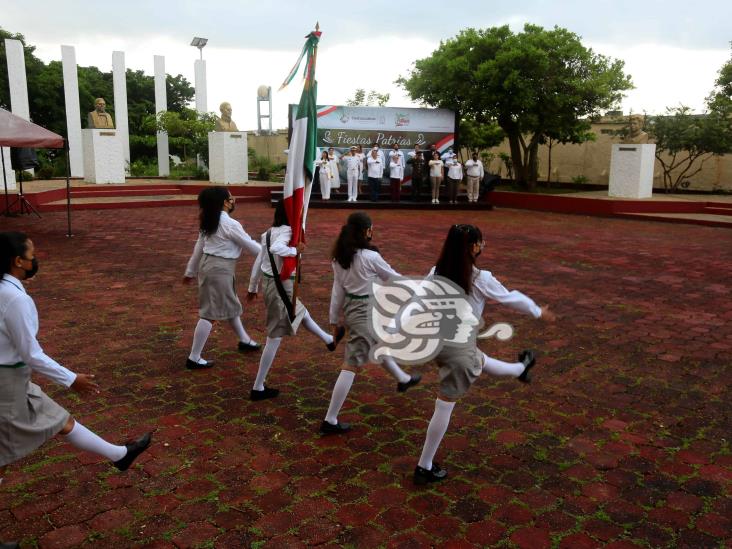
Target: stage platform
point(701, 209)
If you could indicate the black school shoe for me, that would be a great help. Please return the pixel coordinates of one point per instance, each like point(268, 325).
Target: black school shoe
point(413, 380)
point(529, 360)
point(330, 429)
point(10, 545)
point(192, 365)
point(249, 346)
point(264, 394)
point(423, 476)
point(134, 449)
point(339, 335)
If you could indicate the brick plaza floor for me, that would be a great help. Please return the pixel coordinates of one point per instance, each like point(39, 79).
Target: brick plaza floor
point(622, 439)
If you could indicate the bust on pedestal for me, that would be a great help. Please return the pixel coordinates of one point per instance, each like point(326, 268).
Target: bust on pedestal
point(104, 160)
point(228, 160)
point(632, 163)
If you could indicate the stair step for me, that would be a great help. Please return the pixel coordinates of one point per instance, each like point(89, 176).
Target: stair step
point(77, 193)
point(716, 210)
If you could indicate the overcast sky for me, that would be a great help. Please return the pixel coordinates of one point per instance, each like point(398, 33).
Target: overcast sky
point(672, 49)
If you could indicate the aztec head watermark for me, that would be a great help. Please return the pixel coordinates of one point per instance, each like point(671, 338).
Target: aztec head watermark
point(411, 319)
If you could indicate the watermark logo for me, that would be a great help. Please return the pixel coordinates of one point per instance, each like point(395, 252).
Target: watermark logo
point(412, 319)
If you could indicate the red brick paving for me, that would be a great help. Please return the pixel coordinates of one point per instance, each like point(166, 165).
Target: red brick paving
point(622, 440)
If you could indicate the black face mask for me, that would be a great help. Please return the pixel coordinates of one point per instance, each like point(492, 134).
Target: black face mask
point(33, 270)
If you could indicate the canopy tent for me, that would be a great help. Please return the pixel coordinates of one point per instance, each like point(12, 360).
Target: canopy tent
point(18, 132)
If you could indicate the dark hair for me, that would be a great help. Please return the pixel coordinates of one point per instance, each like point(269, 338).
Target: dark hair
point(280, 215)
point(12, 244)
point(352, 239)
point(456, 262)
point(211, 201)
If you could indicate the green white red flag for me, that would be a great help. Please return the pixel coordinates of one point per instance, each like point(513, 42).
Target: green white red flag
point(301, 155)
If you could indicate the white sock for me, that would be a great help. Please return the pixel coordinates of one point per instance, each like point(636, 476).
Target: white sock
point(266, 360)
point(83, 438)
point(390, 365)
point(200, 335)
point(499, 368)
point(340, 392)
point(435, 431)
point(312, 326)
point(239, 330)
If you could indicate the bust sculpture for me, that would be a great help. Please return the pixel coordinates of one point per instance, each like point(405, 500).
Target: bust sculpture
point(225, 123)
point(636, 135)
point(99, 118)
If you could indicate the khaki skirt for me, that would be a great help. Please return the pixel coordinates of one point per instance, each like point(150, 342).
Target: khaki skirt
point(360, 340)
point(459, 368)
point(217, 298)
point(278, 321)
point(28, 417)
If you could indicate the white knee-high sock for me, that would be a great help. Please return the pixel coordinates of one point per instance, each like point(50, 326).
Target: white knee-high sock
point(499, 368)
point(312, 326)
point(435, 431)
point(239, 330)
point(83, 438)
point(340, 392)
point(200, 335)
point(390, 365)
point(265, 362)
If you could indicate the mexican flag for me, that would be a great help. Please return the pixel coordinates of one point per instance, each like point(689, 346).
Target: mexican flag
point(301, 155)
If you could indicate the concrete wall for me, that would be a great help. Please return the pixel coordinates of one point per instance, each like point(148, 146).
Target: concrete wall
point(270, 146)
point(592, 160)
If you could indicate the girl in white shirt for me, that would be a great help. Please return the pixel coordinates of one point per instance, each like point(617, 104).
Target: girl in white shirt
point(461, 366)
point(221, 240)
point(279, 323)
point(436, 166)
point(356, 264)
point(28, 417)
point(325, 175)
point(454, 177)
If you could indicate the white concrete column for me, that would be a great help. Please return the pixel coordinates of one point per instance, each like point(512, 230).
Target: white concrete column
point(73, 111)
point(9, 173)
point(119, 77)
point(161, 105)
point(199, 69)
point(17, 81)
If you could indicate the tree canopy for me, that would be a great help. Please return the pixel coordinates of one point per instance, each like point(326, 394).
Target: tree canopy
point(536, 85)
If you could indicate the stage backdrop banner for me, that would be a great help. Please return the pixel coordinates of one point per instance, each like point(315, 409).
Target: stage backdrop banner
point(342, 127)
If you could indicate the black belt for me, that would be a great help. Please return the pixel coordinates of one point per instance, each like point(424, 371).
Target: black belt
point(16, 365)
point(354, 296)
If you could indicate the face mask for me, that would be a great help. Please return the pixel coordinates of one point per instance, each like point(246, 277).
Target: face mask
point(33, 270)
point(233, 206)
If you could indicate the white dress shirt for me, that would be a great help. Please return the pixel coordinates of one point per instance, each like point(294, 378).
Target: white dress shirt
point(279, 245)
point(367, 266)
point(227, 242)
point(485, 286)
point(474, 168)
point(396, 170)
point(18, 330)
point(376, 167)
point(454, 169)
point(399, 154)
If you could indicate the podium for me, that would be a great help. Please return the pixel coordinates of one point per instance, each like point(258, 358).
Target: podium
point(104, 160)
point(228, 159)
point(631, 171)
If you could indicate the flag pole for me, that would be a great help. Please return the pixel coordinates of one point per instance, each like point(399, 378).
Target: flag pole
point(298, 257)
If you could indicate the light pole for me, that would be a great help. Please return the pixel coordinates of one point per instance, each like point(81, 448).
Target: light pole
point(199, 43)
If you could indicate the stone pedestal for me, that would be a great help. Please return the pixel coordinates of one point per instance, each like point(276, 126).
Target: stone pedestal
point(631, 171)
point(104, 160)
point(9, 173)
point(228, 161)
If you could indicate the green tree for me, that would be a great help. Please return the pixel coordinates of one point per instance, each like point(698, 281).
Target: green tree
point(362, 99)
point(535, 85)
point(685, 141)
point(479, 137)
point(187, 129)
point(720, 100)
